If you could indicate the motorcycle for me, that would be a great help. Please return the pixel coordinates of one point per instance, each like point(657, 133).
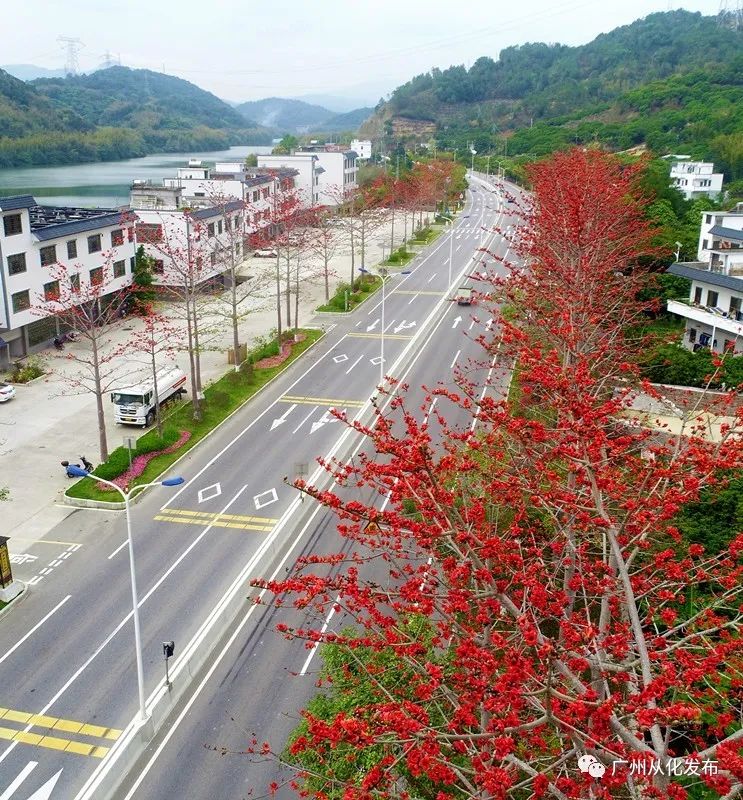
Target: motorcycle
point(58, 343)
point(86, 465)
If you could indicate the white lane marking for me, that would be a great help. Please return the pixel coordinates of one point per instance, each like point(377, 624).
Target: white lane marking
point(456, 322)
point(34, 629)
point(44, 571)
point(485, 387)
point(54, 563)
point(265, 498)
point(458, 247)
point(451, 366)
point(431, 278)
point(305, 419)
point(430, 409)
point(210, 492)
point(472, 324)
point(370, 328)
point(339, 359)
point(118, 549)
point(404, 325)
point(124, 621)
point(414, 297)
point(65, 555)
point(18, 780)
point(306, 664)
point(357, 324)
point(354, 364)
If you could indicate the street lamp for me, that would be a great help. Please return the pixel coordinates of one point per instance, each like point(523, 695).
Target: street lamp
point(78, 472)
point(451, 250)
point(678, 250)
point(474, 153)
point(383, 273)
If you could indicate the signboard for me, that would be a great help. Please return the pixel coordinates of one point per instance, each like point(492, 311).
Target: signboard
point(6, 573)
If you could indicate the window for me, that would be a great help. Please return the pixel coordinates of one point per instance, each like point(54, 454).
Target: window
point(711, 298)
point(17, 263)
point(704, 244)
point(213, 259)
point(219, 226)
point(692, 334)
point(72, 249)
point(13, 224)
point(51, 290)
point(256, 195)
point(199, 194)
point(698, 295)
point(132, 263)
point(117, 238)
point(735, 306)
point(119, 269)
point(227, 224)
point(75, 283)
point(94, 243)
point(708, 219)
point(210, 230)
point(96, 276)
point(158, 266)
point(48, 255)
point(20, 301)
point(237, 248)
point(148, 233)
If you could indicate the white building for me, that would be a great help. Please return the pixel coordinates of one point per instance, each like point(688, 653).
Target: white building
point(200, 244)
point(339, 178)
point(95, 245)
point(308, 171)
point(362, 148)
point(714, 309)
point(696, 178)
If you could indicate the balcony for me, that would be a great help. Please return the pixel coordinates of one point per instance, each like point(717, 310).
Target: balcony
point(713, 318)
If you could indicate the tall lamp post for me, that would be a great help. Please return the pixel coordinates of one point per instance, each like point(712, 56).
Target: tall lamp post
point(383, 273)
point(451, 250)
point(78, 472)
point(474, 153)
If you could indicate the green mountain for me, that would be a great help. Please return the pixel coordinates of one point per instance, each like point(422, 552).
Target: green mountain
point(283, 115)
point(351, 121)
point(140, 98)
point(113, 113)
point(643, 83)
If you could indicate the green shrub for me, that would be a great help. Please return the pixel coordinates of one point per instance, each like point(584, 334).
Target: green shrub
point(674, 364)
point(25, 371)
point(118, 461)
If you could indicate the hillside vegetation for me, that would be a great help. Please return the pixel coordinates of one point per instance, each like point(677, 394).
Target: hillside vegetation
point(113, 113)
point(670, 80)
point(295, 116)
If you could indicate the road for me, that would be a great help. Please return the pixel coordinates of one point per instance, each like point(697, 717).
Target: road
point(66, 653)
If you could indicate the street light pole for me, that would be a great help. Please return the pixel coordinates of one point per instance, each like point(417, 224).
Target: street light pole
point(81, 473)
point(383, 273)
point(451, 250)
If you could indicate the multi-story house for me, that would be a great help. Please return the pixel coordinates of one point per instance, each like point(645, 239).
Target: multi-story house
point(187, 243)
point(714, 309)
point(362, 148)
point(338, 179)
point(696, 179)
point(94, 245)
point(307, 169)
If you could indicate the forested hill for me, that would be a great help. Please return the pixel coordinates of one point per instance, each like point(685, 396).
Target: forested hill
point(653, 65)
point(113, 113)
point(139, 98)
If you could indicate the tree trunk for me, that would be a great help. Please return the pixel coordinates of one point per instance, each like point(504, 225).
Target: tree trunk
point(192, 362)
point(296, 300)
point(353, 259)
point(327, 276)
point(197, 350)
point(288, 292)
point(392, 234)
point(278, 293)
point(235, 330)
point(102, 442)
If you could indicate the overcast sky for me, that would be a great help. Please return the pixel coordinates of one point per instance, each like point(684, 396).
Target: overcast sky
point(244, 50)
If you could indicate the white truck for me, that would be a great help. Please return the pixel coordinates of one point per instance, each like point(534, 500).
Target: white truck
point(135, 404)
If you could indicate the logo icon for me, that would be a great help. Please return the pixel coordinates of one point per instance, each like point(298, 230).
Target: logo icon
point(591, 765)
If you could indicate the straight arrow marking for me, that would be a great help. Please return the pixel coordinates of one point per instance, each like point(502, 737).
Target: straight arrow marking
point(45, 792)
point(280, 420)
point(456, 322)
point(373, 325)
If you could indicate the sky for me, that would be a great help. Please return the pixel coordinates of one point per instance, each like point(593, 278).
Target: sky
point(245, 50)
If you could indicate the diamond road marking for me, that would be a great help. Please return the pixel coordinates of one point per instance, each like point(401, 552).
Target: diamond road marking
point(265, 498)
point(376, 361)
point(340, 358)
point(213, 491)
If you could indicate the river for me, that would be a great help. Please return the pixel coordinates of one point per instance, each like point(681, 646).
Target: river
point(106, 183)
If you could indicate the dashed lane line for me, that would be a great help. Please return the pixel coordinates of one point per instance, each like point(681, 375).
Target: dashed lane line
point(376, 336)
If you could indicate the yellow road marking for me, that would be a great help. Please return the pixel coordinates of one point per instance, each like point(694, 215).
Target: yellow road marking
point(217, 520)
point(377, 336)
point(322, 401)
point(426, 292)
point(55, 723)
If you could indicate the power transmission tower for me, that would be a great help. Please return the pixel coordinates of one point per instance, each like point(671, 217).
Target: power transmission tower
point(731, 14)
point(109, 60)
point(72, 46)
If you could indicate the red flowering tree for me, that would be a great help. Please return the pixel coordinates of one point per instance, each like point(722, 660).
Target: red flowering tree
point(526, 615)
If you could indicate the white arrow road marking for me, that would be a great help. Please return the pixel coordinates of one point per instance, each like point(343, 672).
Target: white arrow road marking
point(312, 411)
point(282, 419)
point(456, 322)
point(214, 491)
point(489, 323)
point(22, 775)
point(265, 498)
point(373, 325)
point(45, 792)
point(325, 418)
point(404, 325)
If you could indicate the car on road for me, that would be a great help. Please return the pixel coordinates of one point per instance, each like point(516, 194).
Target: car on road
point(464, 296)
point(7, 392)
point(265, 252)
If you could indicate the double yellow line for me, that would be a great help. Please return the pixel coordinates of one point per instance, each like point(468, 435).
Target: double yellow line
point(322, 401)
point(56, 724)
point(217, 520)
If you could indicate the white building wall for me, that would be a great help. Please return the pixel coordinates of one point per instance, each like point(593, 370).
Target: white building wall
point(339, 177)
point(307, 182)
point(36, 276)
point(696, 179)
point(362, 148)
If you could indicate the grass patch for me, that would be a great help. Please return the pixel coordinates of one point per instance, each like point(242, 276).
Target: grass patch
point(362, 288)
point(426, 235)
point(399, 257)
point(221, 398)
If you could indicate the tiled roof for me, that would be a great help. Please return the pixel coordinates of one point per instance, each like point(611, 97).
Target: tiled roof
point(705, 276)
point(19, 201)
point(727, 233)
point(216, 211)
point(64, 229)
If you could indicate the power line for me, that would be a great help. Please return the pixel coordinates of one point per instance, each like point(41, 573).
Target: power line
point(72, 45)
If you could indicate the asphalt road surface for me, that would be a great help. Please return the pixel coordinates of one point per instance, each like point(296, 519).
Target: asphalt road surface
point(67, 652)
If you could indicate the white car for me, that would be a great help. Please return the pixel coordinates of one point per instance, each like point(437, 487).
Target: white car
point(7, 392)
point(265, 253)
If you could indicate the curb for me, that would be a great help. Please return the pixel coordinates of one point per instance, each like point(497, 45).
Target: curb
point(107, 505)
point(16, 601)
